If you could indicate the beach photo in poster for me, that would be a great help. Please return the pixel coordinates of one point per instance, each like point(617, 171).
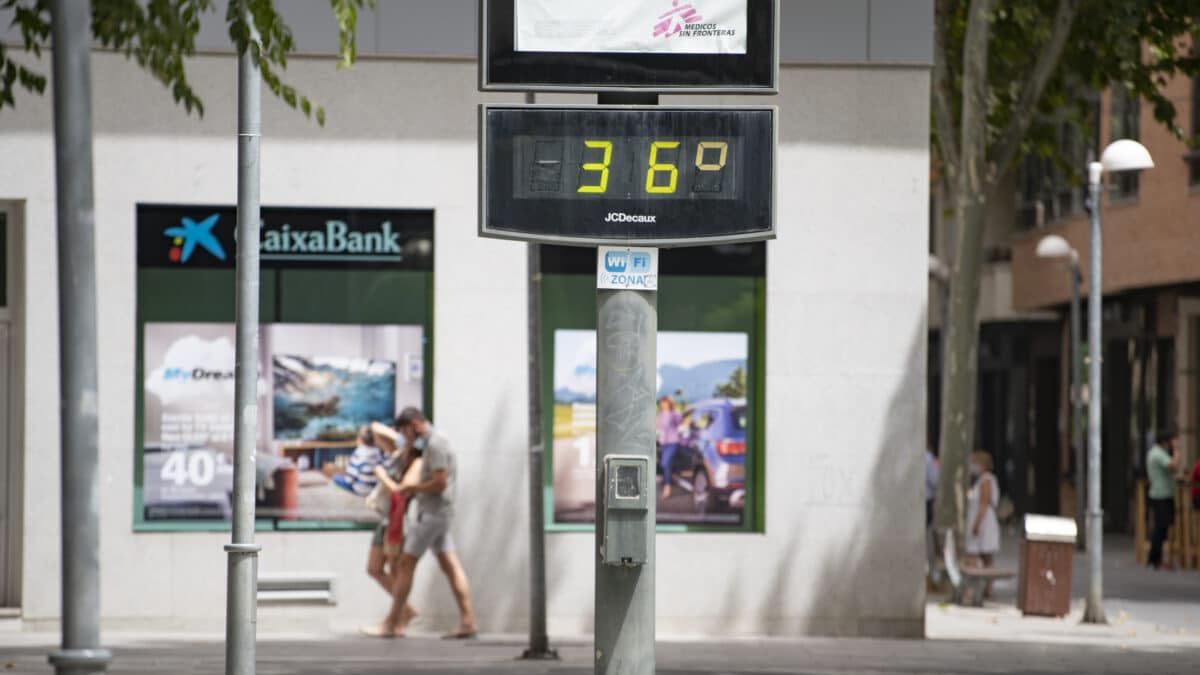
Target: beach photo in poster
point(318, 386)
point(702, 427)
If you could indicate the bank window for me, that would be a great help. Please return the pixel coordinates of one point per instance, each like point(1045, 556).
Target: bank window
point(709, 394)
point(1126, 116)
point(345, 338)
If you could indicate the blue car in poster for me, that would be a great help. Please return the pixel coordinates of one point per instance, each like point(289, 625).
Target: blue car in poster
point(714, 453)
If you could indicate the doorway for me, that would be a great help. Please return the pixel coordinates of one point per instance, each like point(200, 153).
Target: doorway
point(1047, 455)
point(10, 446)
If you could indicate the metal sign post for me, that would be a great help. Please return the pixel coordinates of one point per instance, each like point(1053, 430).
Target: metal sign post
point(626, 366)
point(625, 373)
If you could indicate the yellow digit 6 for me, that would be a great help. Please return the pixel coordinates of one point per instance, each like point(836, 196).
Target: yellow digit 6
point(655, 168)
point(602, 167)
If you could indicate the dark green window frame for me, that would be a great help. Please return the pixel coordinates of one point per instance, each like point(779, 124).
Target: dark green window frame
point(732, 279)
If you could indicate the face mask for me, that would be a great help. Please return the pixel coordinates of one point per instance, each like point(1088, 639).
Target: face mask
point(975, 471)
point(419, 444)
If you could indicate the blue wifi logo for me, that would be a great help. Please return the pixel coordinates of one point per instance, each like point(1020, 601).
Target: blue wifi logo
point(616, 261)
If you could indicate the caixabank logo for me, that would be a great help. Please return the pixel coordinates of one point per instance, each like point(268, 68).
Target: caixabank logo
point(190, 234)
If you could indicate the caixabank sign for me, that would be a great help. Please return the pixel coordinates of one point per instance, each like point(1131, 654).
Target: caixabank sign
point(182, 236)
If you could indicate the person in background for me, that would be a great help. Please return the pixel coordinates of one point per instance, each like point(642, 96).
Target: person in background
point(667, 425)
point(1162, 461)
point(401, 469)
point(1196, 486)
point(435, 496)
point(360, 475)
point(983, 527)
point(931, 480)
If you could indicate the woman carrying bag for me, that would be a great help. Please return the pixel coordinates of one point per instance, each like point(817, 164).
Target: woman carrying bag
point(402, 468)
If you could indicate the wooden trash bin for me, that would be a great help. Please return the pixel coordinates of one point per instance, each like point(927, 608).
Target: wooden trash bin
point(1044, 580)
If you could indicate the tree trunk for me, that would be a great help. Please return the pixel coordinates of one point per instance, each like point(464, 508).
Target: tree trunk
point(961, 332)
point(960, 375)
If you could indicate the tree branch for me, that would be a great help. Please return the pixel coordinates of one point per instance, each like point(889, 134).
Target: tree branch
point(1005, 149)
point(971, 182)
point(943, 90)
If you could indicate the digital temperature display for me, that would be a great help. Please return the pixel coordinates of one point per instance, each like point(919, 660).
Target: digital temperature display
point(653, 175)
point(627, 167)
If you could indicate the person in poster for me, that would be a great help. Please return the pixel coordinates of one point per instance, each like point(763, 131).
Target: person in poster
point(668, 423)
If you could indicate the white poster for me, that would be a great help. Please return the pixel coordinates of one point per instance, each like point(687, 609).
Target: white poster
point(632, 26)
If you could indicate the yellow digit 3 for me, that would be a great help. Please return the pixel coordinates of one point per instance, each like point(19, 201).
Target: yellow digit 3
point(601, 167)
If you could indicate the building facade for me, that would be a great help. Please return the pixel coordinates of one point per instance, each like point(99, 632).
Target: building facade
point(374, 280)
point(1150, 288)
point(1149, 321)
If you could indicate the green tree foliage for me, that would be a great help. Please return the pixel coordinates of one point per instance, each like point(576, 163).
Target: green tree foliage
point(160, 35)
point(1005, 72)
point(1138, 43)
point(735, 387)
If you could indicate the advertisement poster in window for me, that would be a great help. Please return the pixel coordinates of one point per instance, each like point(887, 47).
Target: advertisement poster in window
point(318, 386)
point(701, 427)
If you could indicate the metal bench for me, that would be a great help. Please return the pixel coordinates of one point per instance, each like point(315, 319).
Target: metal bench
point(969, 581)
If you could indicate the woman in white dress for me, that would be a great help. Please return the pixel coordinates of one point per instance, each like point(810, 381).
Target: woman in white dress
point(983, 528)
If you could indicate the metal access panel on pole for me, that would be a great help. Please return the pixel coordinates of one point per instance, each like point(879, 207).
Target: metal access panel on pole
point(627, 174)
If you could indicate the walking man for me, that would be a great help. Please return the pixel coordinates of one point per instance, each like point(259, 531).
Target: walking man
point(1161, 464)
point(434, 492)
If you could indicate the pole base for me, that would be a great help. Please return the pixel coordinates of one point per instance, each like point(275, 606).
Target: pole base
point(72, 661)
point(540, 655)
point(1094, 614)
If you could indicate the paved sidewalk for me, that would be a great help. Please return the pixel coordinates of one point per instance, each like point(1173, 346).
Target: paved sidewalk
point(1139, 602)
point(363, 656)
point(1154, 628)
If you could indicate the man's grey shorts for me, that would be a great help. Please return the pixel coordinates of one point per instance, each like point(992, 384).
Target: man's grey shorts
point(428, 532)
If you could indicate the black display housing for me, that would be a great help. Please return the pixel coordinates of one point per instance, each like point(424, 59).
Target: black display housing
point(519, 200)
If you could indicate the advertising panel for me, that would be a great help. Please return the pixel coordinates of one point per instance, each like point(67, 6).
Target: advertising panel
point(318, 385)
point(678, 46)
point(703, 420)
point(637, 26)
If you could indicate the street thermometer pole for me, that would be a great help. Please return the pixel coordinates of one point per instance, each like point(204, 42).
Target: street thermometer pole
point(625, 177)
point(626, 368)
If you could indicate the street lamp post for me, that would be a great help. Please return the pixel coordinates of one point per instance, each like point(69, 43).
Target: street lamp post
point(1054, 246)
point(1122, 155)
